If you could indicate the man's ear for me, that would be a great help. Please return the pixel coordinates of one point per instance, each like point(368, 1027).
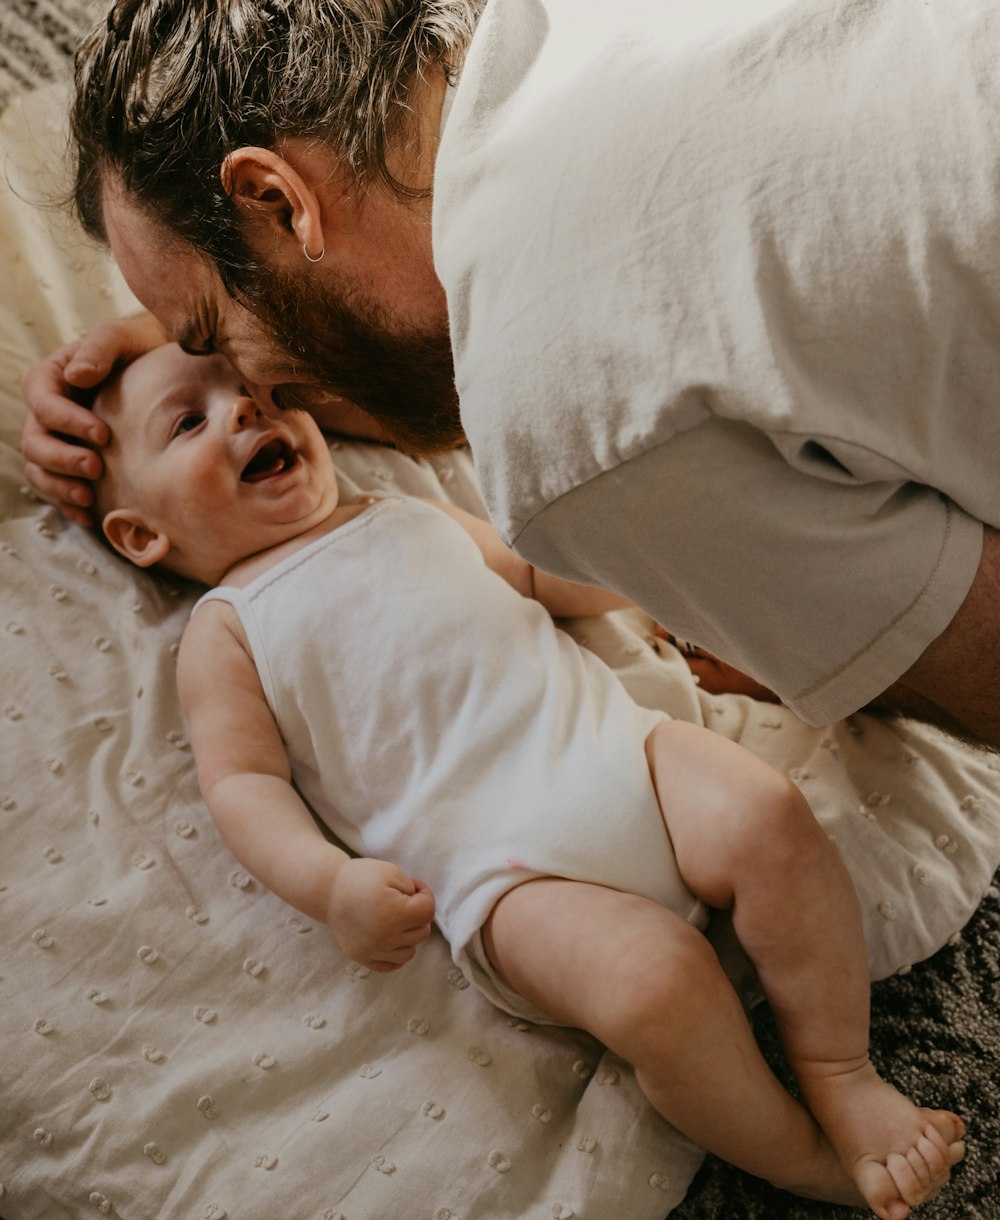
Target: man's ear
point(268, 189)
point(133, 538)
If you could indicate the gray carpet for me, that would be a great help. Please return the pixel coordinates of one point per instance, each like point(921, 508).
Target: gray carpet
point(936, 1031)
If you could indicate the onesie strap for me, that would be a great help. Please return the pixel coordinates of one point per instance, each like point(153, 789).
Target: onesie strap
point(221, 594)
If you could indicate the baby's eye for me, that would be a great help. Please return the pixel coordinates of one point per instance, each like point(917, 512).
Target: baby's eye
point(188, 422)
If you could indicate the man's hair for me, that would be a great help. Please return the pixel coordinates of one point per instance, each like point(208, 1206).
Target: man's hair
point(165, 89)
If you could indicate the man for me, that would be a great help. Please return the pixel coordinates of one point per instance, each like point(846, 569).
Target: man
point(722, 308)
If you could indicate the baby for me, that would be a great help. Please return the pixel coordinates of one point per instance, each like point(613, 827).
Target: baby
point(392, 662)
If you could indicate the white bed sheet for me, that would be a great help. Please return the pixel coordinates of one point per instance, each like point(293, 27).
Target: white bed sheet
point(176, 1042)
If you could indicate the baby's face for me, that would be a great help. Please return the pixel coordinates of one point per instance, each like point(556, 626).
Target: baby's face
point(205, 468)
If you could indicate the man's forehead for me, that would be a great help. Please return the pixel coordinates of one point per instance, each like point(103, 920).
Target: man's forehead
point(166, 273)
point(127, 219)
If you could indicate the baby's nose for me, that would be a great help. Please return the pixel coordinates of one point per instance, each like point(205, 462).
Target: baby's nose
point(243, 413)
point(263, 396)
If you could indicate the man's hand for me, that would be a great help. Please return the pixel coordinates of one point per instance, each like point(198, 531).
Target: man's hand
point(378, 914)
point(55, 466)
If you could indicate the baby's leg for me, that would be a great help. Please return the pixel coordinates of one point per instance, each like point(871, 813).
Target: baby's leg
point(744, 838)
point(648, 985)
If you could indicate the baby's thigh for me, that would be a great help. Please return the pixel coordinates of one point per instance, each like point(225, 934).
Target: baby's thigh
point(594, 957)
point(718, 801)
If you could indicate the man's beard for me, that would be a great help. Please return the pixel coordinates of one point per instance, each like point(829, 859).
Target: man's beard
point(338, 348)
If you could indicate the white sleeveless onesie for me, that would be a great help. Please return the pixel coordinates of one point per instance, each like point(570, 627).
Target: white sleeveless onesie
point(437, 719)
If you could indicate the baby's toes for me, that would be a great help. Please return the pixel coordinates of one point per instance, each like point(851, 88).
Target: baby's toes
point(877, 1184)
point(922, 1170)
point(910, 1175)
point(949, 1126)
point(935, 1152)
point(938, 1153)
point(947, 1131)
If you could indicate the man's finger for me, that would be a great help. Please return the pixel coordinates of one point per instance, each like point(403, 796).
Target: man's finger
point(54, 412)
point(94, 355)
point(71, 496)
point(56, 456)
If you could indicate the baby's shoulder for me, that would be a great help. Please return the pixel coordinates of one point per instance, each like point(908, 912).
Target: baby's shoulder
point(214, 622)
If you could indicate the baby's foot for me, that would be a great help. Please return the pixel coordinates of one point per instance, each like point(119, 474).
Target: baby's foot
point(898, 1154)
point(914, 1176)
point(819, 1175)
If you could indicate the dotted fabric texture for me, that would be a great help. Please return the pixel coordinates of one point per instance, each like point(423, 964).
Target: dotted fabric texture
point(178, 1043)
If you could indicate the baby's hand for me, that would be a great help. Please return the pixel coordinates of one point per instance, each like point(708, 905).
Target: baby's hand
point(379, 914)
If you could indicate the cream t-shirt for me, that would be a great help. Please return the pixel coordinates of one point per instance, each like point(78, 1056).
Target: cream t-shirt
point(725, 308)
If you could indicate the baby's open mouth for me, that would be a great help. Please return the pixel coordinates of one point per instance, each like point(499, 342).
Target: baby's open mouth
point(273, 458)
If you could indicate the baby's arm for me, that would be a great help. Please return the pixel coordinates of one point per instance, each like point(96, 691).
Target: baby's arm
point(376, 912)
point(562, 598)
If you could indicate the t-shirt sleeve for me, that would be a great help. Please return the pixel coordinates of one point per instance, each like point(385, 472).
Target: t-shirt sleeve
point(824, 587)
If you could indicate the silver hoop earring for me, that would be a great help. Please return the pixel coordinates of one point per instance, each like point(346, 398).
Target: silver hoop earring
point(318, 258)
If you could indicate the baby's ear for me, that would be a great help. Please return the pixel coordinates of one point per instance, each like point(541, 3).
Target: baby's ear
point(133, 538)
